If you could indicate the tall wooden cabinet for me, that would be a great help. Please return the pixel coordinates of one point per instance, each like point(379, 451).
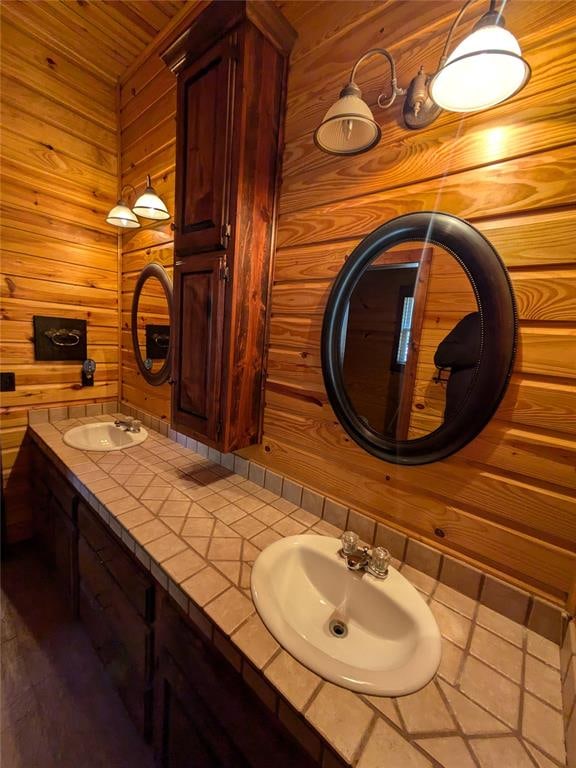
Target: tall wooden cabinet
point(231, 66)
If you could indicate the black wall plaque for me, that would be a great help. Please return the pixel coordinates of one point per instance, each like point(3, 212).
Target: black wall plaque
point(59, 338)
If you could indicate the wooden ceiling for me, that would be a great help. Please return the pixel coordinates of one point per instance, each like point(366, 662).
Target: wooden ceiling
point(103, 36)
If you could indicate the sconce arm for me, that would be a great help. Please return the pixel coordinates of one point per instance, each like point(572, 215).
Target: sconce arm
point(127, 186)
point(491, 10)
point(396, 91)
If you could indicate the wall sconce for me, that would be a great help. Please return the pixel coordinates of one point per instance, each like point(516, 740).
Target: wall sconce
point(148, 206)
point(485, 69)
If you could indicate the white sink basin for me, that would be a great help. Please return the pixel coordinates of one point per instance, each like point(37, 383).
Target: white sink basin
point(103, 436)
point(301, 586)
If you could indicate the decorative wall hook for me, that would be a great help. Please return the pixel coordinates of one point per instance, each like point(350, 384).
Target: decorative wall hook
point(63, 337)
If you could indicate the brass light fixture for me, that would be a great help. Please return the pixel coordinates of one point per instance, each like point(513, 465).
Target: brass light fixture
point(485, 69)
point(149, 205)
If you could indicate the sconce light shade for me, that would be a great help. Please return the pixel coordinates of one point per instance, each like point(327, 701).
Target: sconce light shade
point(348, 127)
point(485, 69)
point(121, 216)
point(149, 205)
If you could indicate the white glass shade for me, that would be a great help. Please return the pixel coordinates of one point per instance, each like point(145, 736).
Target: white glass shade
point(150, 206)
point(122, 216)
point(484, 70)
point(348, 128)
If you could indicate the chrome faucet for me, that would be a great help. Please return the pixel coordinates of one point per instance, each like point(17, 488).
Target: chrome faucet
point(128, 424)
point(360, 559)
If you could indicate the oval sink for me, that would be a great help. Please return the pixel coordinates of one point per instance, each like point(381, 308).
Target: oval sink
point(103, 436)
point(374, 636)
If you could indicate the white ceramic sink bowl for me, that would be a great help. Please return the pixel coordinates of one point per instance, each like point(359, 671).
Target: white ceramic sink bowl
point(103, 436)
point(300, 585)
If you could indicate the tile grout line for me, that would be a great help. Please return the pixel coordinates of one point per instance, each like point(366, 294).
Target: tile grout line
point(142, 465)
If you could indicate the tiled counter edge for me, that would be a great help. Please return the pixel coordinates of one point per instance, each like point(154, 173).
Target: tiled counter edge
point(222, 612)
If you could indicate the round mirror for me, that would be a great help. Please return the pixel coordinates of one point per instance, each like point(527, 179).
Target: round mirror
point(418, 338)
point(151, 319)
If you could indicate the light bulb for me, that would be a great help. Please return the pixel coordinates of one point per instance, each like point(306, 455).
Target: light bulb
point(121, 216)
point(485, 69)
point(348, 127)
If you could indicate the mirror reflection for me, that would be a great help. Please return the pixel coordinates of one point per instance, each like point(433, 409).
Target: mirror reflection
point(150, 324)
point(410, 340)
point(153, 324)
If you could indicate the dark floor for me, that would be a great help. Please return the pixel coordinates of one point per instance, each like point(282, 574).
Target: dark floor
point(58, 709)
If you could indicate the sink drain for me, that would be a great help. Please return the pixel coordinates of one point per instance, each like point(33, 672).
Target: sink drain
point(338, 628)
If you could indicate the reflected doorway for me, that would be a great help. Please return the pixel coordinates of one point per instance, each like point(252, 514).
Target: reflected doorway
point(381, 338)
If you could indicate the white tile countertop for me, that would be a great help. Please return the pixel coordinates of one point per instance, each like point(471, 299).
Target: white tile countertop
point(198, 527)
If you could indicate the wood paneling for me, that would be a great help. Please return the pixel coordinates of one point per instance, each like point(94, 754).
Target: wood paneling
point(506, 501)
point(60, 65)
point(148, 144)
point(103, 37)
point(60, 258)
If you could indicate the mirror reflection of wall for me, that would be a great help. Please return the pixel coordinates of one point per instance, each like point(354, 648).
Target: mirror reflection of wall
point(401, 358)
point(153, 324)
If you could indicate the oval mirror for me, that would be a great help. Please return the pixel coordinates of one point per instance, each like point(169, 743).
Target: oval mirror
point(151, 320)
point(418, 338)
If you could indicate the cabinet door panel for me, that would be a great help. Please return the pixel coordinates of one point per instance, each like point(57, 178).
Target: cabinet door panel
point(205, 97)
point(135, 584)
point(118, 663)
point(64, 555)
point(199, 302)
point(187, 735)
point(198, 684)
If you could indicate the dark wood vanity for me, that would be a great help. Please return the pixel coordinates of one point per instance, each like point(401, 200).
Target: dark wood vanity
point(231, 68)
point(185, 698)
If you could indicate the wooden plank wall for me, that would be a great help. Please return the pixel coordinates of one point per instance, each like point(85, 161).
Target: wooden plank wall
point(147, 125)
point(60, 258)
point(148, 129)
point(506, 501)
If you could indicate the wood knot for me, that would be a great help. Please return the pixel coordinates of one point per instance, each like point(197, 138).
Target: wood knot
point(51, 63)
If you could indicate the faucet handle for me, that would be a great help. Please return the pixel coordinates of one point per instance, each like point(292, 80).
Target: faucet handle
point(349, 542)
point(379, 562)
point(135, 425)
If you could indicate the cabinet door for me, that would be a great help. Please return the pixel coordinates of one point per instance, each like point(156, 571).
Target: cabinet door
point(186, 734)
point(198, 692)
point(199, 293)
point(205, 103)
point(64, 555)
point(121, 639)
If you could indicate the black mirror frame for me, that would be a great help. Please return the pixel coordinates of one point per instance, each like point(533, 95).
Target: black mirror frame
point(499, 323)
point(157, 271)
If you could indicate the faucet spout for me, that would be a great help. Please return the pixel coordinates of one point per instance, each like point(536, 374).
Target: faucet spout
point(358, 560)
point(361, 559)
point(128, 424)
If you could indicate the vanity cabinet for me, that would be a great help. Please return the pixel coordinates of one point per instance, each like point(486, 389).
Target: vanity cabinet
point(179, 690)
point(56, 532)
point(116, 608)
point(231, 69)
point(205, 713)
